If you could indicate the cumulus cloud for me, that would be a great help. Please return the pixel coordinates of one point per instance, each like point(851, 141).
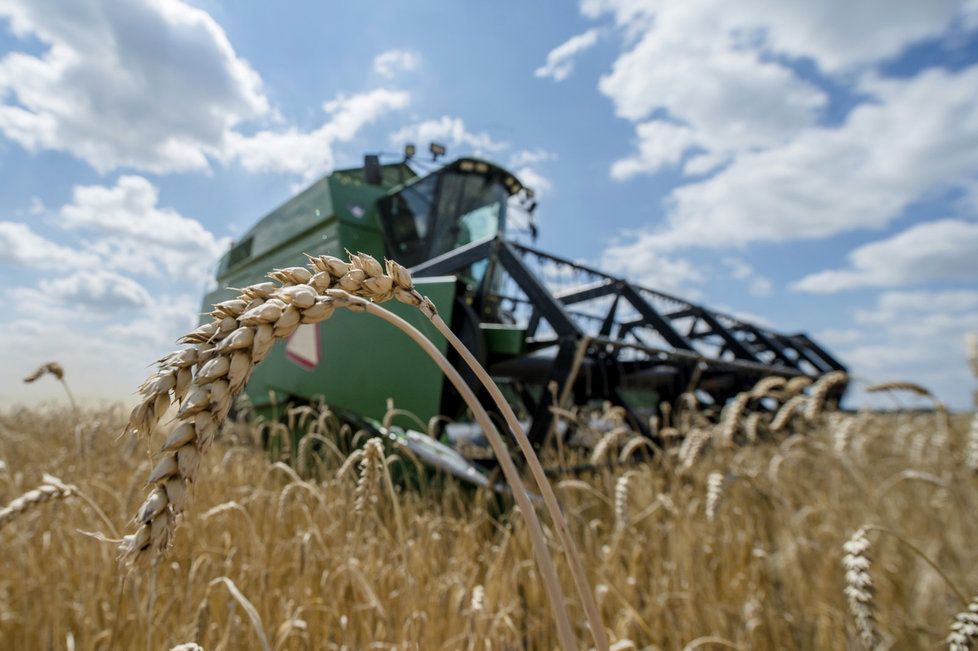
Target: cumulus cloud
point(130, 231)
point(740, 269)
point(98, 290)
point(918, 137)
point(655, 270)
point(941, 250)
point(119, 278)
point(165, 70)
point(833, 33)
point(21, 246)
point(917, 335)
point(530, 157)
point(714, 78)
point(155, 85)
point(390, 63)
point(560, 60)
point(309, 153)
point(447, 130)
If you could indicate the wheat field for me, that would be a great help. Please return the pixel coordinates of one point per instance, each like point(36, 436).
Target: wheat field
point(706, 546)
point(778, 523)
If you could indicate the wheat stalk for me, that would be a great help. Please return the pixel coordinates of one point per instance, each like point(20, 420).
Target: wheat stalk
point(796, 385)
point(820, 393)
point(766, 385)
point(622, 493)
point(752, 425)
point(241, 334)
point(859, 587)
point(786, 411)
point(55, 369)
point(842, 434)
point(371, 467)
point(964, 630)
point(732, 416)
point(607, 443)
point(50, 489)
point(900, 385)
point(971, 454)
point(714, 491)
point(693, 444)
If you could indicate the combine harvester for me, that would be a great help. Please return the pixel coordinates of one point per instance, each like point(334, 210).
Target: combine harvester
point(550, 330)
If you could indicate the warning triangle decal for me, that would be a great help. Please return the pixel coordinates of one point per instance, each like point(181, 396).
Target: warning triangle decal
point(303, 346)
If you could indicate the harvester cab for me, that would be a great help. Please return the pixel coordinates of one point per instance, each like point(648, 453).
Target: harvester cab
point(552, 332)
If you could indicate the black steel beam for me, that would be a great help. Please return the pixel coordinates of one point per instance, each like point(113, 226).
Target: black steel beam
point(739, 350)
point(818, 350)
point(804, 353)
point(540, 297)
point(559, 374)
point(769, 343)
point(652, 318)
point(581, 294)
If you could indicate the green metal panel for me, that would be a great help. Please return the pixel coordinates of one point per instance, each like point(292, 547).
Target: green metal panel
point(503, 339)
point(364, 361)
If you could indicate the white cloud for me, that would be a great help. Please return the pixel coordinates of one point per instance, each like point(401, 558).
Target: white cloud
point(757, 284)
point(653, 269)
point(918, 137)
point(660, 145)
point(913, 335)
point(97, 290)
point(946, 249)
point(89, 342)
point(692, 67)
point(714, 75)
point(156, 85)
point(132, 232)
point(448, 131)
point(120, 282)
point(152, 85)
point(390, 63)
point(835, 33)
point(530, 157)
point(21, 246)
point(309, 153)
point(560, 60)
point(534, 180)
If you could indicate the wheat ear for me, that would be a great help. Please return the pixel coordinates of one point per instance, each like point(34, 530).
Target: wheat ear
point(766, 385)
point(859, 587)
point(622, 493)
point(964, 630)
point(714, 491)
point(240, 335)
point(371, 468)
point(788, 410)
point(820, 393)
point(51, 489)
point(732, 416)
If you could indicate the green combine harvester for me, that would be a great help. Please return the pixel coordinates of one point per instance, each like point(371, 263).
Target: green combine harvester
point(550, 330)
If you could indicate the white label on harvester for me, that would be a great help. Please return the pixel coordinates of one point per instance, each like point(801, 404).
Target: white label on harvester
point(303, 346)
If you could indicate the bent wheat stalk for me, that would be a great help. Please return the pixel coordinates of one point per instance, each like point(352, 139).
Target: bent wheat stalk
point(546, 489)
point(227, 349)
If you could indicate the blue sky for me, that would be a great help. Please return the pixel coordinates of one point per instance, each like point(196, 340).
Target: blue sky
point(812, 166)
